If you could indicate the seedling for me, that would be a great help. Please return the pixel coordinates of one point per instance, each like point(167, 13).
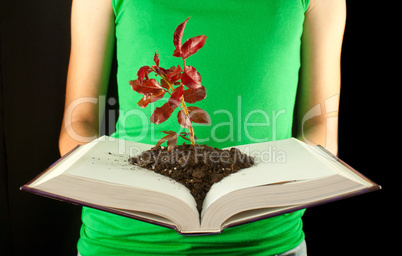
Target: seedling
point(182, 84)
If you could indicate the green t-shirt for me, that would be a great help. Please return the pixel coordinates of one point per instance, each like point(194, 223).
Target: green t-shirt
point(249, 66)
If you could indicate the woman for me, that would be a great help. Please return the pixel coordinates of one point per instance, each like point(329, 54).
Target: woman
point(268, 66)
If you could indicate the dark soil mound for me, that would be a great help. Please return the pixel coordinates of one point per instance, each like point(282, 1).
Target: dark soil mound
point(197, 167)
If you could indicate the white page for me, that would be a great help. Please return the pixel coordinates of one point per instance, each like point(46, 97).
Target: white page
point(278, 161)
point(336, 165)
point(63, 164)
point(108, 162)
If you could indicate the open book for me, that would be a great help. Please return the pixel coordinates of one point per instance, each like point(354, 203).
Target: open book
point(288, 175)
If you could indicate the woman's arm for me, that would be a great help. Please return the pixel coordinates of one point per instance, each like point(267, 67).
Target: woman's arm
point(92, 44)
point(317, 103)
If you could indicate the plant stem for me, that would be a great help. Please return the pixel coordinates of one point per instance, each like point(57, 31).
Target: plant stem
point(191, 129)
point(183, 104)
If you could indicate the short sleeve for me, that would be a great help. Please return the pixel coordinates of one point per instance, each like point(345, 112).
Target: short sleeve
point(116, 4)
point(305, 4)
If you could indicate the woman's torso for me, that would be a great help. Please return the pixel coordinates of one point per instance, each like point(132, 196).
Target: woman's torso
point(249, 66)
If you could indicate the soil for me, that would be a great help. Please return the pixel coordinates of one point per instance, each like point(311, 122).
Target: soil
point(197, 167)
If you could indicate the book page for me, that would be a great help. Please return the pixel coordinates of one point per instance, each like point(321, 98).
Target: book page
point(250, 215)
point(63, 164)
point(337, 165)
point(107, 161)
point(275, 162)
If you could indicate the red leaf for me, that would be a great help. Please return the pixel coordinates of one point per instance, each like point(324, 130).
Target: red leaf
point(173, 74)
point(143, 73)
point(177, 38)
point(150, 86)
point(164, 84)
point(183, 119)
point(175, 98)
point(192, 46)
point(149, 98)
point(194, 95)
point(144, 101)
point(161, 114)
point(171, 139)
point(134, 84)
point(191, 78)
point(158, 70)
point(184, 137)
point(177, 53)
point(198, 115)
point(171, 143)
point(156, 59)
point(160, 142)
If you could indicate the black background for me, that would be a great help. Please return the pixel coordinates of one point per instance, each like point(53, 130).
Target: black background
point(35, 41)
